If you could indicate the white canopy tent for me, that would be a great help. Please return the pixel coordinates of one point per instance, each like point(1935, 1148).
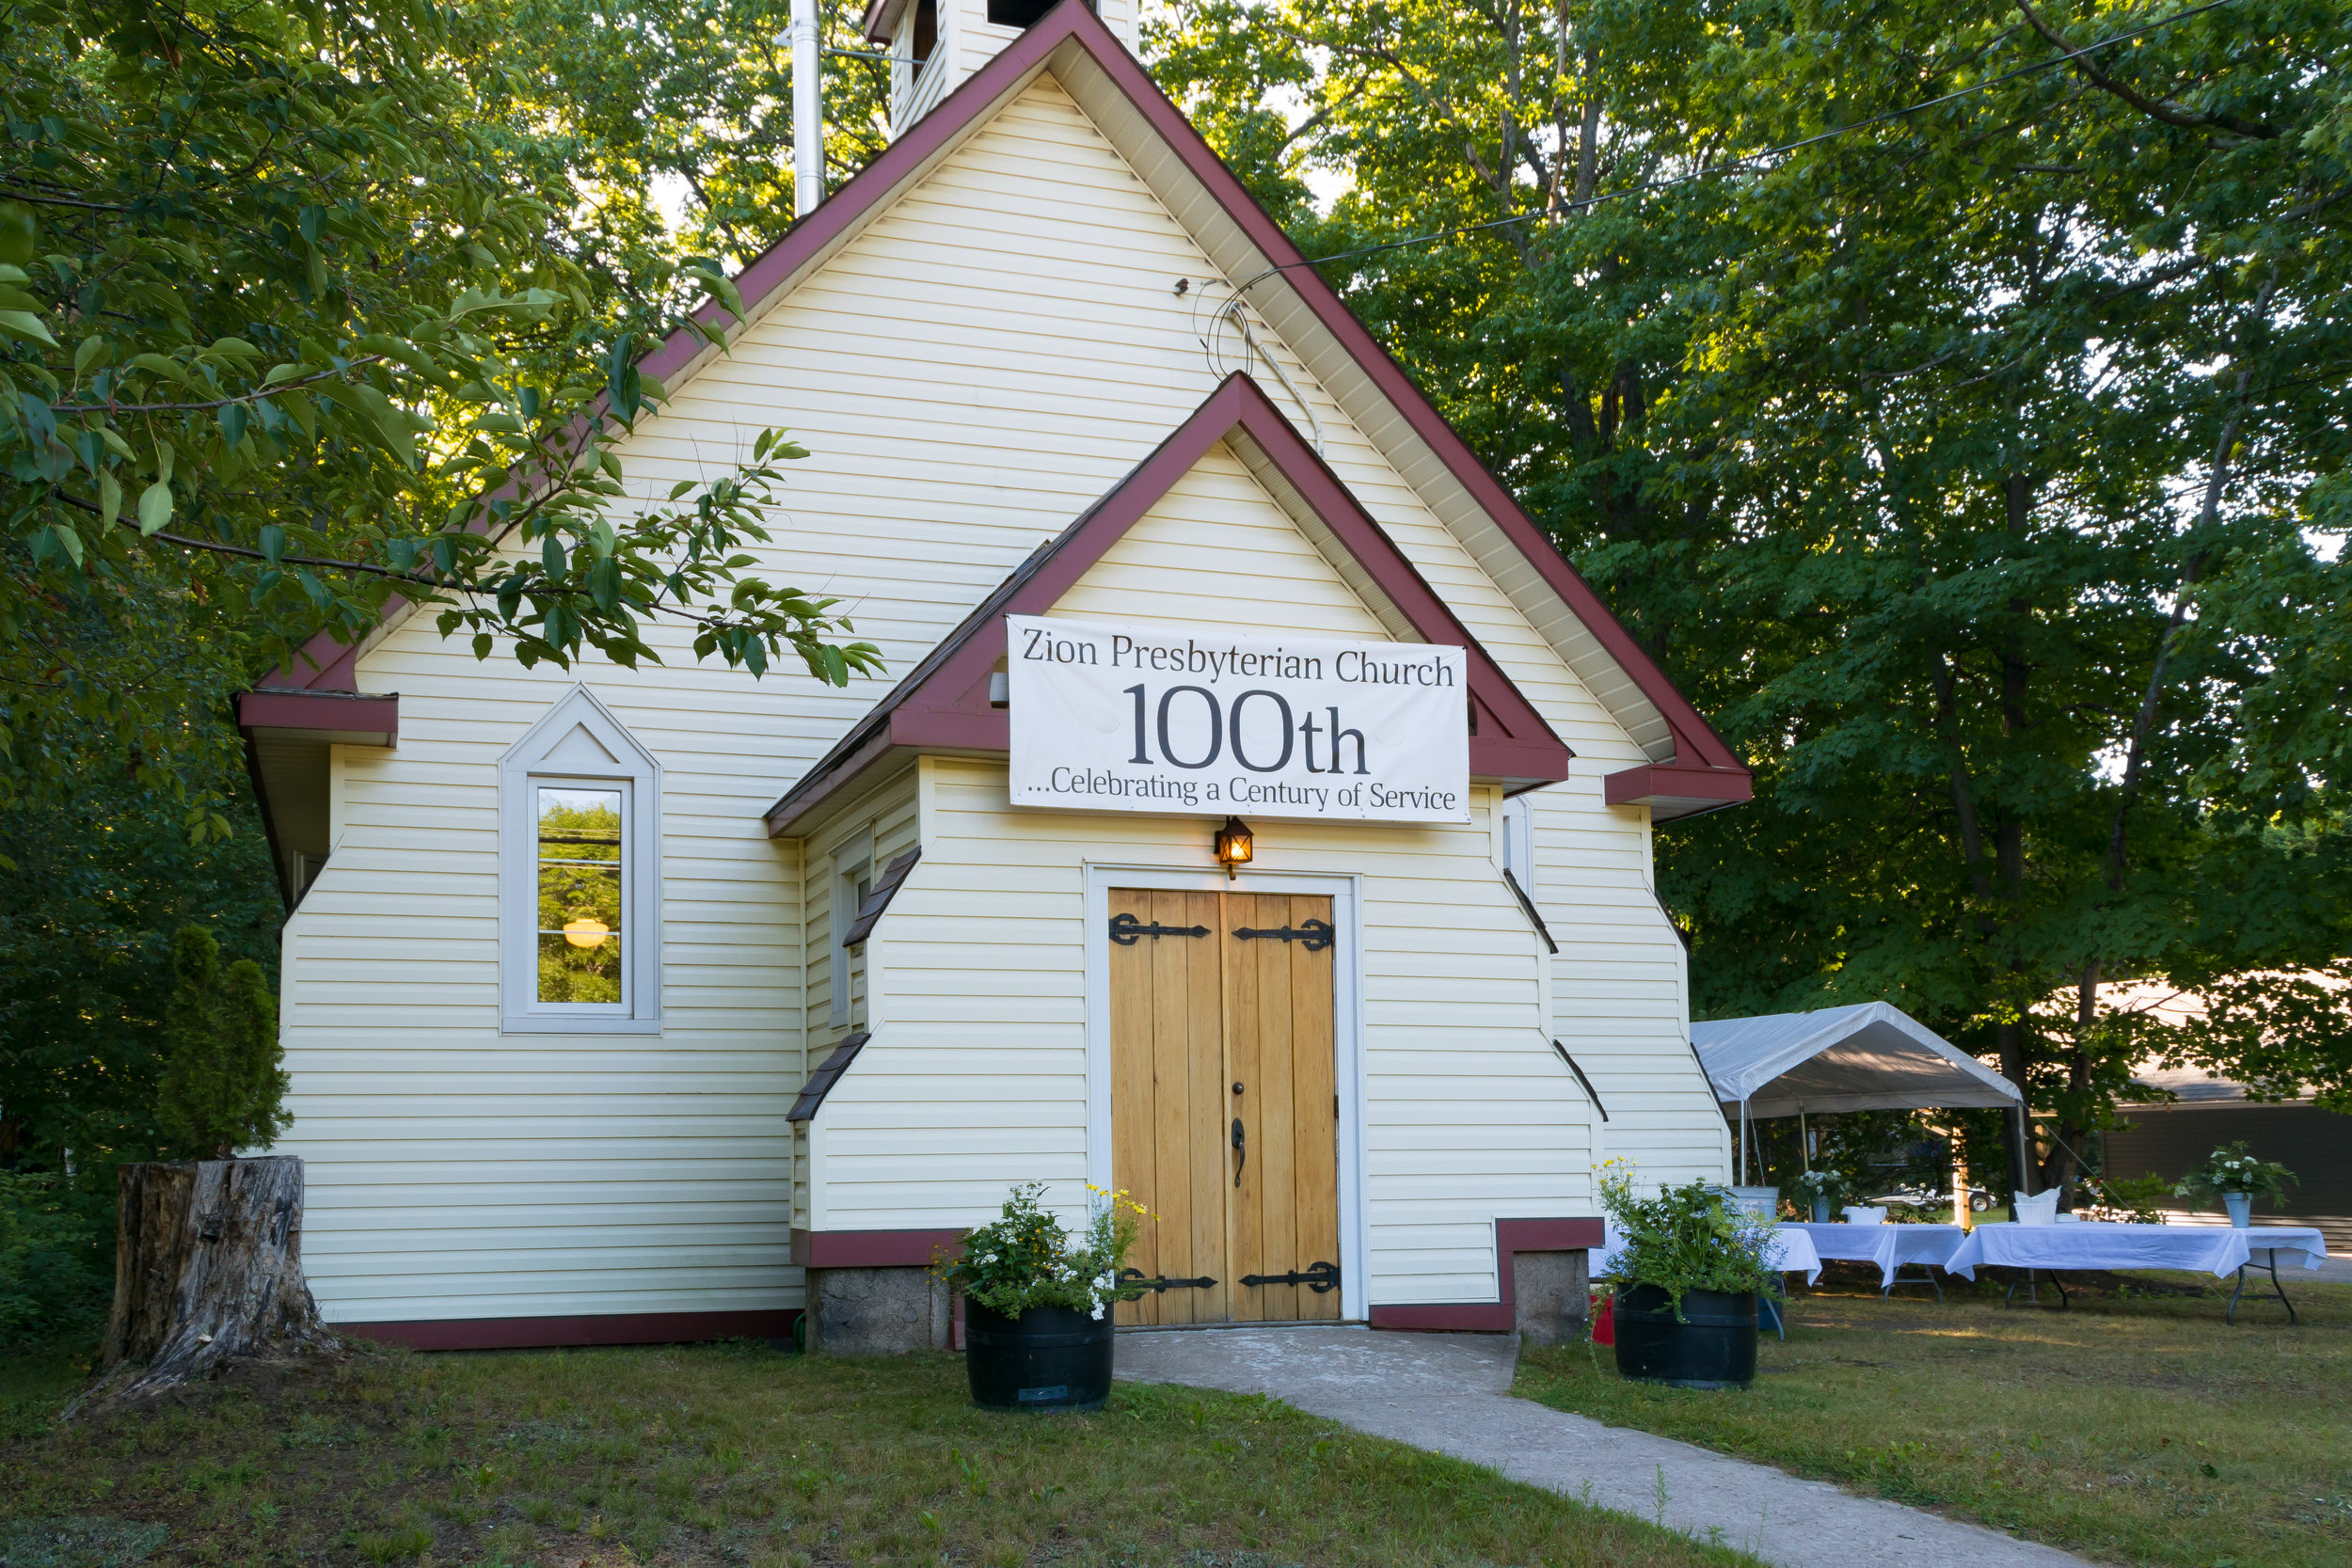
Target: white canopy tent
point(1871, 1056)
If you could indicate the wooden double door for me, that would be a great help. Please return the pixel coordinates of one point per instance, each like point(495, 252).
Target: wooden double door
point(1224, 1102)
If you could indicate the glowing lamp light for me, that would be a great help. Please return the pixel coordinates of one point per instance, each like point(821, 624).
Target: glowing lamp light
point(1235, 846)
point(587, 932)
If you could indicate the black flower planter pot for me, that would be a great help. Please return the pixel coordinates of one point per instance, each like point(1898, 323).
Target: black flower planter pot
point(1048, 1358)
point(1712, 1347)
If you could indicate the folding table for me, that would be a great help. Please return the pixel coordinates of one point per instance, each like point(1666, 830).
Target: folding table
point(2218, 1250)
point(1890, 1246)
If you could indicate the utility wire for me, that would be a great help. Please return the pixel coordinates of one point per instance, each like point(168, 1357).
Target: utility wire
point(1736, 163)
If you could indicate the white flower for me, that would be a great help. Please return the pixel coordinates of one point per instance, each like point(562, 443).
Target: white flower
point(1098, 1311)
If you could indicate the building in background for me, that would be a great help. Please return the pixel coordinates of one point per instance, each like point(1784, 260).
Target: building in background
point(2167, 1138)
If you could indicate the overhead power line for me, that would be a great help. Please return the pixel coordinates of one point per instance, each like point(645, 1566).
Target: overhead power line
point(1745, 161)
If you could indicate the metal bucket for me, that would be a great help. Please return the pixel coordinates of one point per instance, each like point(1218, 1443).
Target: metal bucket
point(1713, 1346)
point(1048, 1358)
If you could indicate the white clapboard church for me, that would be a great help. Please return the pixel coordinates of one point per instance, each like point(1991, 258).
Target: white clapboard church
point(1255, 814)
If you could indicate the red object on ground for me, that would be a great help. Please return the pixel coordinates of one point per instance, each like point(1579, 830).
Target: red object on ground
point(1605, 1318)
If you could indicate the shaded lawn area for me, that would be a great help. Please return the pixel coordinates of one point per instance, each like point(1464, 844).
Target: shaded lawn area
point(737, 1454)
point(2133, 1428)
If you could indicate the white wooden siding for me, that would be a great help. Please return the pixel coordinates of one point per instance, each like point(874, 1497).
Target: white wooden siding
point(978, 367)
point(978, 1078)
point(1218, 550)
point(456, 1172)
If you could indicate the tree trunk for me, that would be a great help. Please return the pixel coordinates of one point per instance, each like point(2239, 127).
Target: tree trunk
point(208, 1268)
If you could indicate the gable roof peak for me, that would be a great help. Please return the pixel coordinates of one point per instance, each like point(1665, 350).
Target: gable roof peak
point(946, 703)
point(934, 45)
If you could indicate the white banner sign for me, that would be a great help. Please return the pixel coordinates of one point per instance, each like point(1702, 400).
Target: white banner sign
point(1135, 718)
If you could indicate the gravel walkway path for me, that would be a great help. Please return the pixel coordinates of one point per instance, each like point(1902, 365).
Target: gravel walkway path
point(1450, 1393)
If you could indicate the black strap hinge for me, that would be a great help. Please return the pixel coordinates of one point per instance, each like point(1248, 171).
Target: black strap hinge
point(1317, 934)
point(1318, 1277)
point(1133, 1277)
point(1127, 930)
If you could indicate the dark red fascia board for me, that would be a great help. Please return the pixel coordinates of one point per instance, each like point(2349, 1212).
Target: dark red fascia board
point(873, 1249)
point(1722, 786)
point(899, 1249)
point(944, 706)
point(622, 1328)
point(341, 713)
point(1494, 1317)
point(1696, 742)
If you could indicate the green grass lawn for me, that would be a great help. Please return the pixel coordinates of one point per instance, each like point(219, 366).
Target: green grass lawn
point(2130, 1428)
point(734, 1455)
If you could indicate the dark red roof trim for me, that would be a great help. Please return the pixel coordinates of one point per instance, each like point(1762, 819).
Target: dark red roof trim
point(1680, 789)
point(944, 702)
point(1494, 1317)
point(1697, 748)
point(873, 1249)
point(613, 1328)
point(336, 712)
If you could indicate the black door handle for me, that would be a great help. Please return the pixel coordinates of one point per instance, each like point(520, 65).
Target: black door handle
point(1241, 1150)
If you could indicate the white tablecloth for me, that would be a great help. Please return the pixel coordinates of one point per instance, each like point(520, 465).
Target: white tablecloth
point(1792, 1253)
point(1890, 1246)
point(2218, 1250)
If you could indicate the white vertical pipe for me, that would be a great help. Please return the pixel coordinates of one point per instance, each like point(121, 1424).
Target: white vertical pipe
point(808, 117)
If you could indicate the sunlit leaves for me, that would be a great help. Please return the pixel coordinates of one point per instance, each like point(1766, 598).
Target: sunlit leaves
point(1893, 452)
point(311, 317)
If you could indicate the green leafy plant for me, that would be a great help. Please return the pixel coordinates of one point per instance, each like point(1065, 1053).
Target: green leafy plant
point(2131, 1199)
point(224, 1081)
point(1687, 1238)
point(2233, 1168)
point(390, 357)
point(1826, 1186)
point(53, 1270)
point(1026, 1258)
point(2037, 589)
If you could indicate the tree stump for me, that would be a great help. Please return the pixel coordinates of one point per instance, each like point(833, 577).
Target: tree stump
point(208, 1269)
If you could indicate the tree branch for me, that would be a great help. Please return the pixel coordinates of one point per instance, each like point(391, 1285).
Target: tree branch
point(2158, 109)
point(216, 402)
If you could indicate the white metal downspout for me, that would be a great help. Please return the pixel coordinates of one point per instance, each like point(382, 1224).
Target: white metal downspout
point(808, 118)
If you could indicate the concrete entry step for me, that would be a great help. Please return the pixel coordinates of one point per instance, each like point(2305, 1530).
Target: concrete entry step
point(1450, 1393)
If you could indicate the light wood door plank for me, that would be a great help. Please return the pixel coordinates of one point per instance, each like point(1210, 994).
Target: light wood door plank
point(1135, 1151)
point(1205, 1102)
point(1172, 1109)
point(1245, 1246)
point(1314, 1105)
point(1277, 1025)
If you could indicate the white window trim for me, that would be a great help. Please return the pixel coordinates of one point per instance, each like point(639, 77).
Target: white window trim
point(1518, 843)
point(523, 768)
point(851, 858)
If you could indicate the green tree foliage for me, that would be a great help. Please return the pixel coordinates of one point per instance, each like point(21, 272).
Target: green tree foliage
point(97, 885)
point(224, 1081)
point(1980, 468)
point(687, 100)
point(91, 888)
point(299, 313)
point(52, 1263)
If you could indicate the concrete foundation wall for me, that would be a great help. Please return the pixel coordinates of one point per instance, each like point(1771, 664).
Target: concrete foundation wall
point(1551, 1297)
point(877, 1311)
